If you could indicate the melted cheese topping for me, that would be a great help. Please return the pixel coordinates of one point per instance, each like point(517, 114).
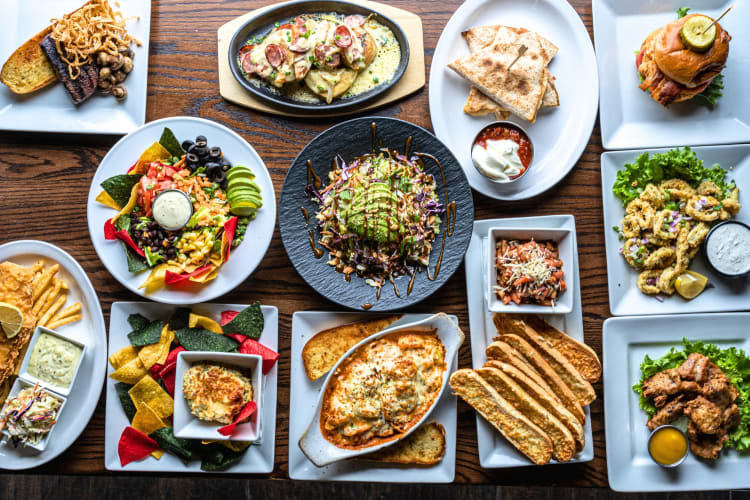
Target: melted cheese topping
point(383, 389)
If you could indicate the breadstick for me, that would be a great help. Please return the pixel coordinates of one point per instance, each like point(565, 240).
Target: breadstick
point(64, 321)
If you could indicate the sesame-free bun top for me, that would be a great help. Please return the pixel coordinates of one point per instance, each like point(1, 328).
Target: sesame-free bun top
point(683, 65)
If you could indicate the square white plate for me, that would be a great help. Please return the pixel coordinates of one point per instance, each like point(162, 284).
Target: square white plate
point(566, 244)
point(257, 459)
point(629, 117)
point(73, 339)
point(624, 297)
point(304, 397)
point(188, 426)
point(19, 385)
point(494, 451)
point(50, 109)
point(625, 343)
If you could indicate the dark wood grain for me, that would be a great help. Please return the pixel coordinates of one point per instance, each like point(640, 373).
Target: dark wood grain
point(45, 179)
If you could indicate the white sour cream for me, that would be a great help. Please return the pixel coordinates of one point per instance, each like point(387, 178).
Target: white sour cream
point(728, 249)
point(172, 209)
point(499, 161)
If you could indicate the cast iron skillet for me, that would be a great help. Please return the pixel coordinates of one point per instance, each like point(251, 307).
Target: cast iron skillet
point(264, 23)
point(351, 139)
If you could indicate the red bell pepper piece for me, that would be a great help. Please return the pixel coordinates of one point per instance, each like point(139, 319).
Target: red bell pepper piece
point(246, 412)
point(230, 227)
point(110, 233)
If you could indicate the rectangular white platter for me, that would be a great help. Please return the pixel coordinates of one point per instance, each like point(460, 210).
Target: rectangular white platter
point(257, 459)
point(304, 397)
point(494, 451)
point(50, 109)
point(624, 297)
point(630, 118)
point(626, 341)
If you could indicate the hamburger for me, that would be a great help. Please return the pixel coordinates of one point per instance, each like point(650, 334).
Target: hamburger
point(680, 60)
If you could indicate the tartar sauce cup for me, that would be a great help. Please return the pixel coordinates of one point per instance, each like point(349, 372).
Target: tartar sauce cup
point(513, 127)
point(659, 430)
point(708, 249)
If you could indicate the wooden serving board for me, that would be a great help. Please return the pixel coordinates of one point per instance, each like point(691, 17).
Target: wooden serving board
point(412, 80)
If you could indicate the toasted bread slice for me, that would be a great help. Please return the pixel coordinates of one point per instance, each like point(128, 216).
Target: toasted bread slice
point(28, 69)
point(325, 348)
point(424, 446)
point(501, 351)
point(526, 436)
point(548, 373)
point(563, 444)
point(580, 387)
point(581, 356)
point(546, 399)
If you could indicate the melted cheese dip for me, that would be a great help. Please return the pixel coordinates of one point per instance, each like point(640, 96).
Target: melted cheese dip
point(383, 389)
point(728, 248)
point(54, 360)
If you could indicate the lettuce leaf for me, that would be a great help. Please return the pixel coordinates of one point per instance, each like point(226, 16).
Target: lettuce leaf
point(677, 163)
point(714, 90)
point(736, 366)
point(682, 12)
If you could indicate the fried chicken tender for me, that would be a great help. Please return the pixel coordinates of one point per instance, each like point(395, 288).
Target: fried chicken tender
point(667, 413)
point(706, 416)
point(662, 384)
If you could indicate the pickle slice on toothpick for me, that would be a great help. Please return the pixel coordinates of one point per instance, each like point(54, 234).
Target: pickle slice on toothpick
point(695, 36)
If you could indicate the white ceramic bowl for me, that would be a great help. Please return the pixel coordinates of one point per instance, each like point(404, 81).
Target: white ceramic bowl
point(322, 452)
point(565, 240)
point(24, 372)
point(21, 384)
point(187, 426)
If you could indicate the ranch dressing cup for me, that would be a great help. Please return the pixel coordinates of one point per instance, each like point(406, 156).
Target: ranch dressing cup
point(172, 209)
point(727, 249)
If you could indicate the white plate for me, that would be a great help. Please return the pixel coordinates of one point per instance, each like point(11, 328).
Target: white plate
point(630, 118)
point(494, 451)
point(243, 259)
point(304, 398)
point(625, 342)
point(559, 134)
point(50, 109)
point(90, 330)
point(257, 459)
point(624, 297)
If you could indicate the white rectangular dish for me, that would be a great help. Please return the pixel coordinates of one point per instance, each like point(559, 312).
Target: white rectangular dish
point(51, 109)
point(258, 458)
point(626, 341)
point(188, 426)
point(624, 297)
point(494, 451)
point(566, 241)
point(73, 337)
point(19, 385)
point(303, 399)
point(629, 117)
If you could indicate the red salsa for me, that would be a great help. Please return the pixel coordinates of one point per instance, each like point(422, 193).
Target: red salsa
point(500, 132)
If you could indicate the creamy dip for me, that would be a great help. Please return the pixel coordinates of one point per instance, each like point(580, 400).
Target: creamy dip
point(728, 248)
point(54, 360)
point(499, 160)
point(172, 209)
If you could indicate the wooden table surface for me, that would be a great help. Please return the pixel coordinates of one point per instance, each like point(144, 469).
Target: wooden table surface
point(45, 181)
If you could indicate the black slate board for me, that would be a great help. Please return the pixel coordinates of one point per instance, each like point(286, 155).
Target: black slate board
point(351, 139)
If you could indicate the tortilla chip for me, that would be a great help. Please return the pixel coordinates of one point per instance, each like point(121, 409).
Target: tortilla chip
point(154, 152)
point(131, 203)
point(130, 373)
point(105, 199)
point(155, 280)
point(206, 277)
point(205, 322)
point(157, 454)
point(232, 445)
point(146, 420)
point(123, 356)
point(148, 391)
point(157, 353)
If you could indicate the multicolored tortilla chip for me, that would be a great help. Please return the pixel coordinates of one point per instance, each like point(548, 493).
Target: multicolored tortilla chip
point(130, 205)
point(227, 316)
point(230, 228)
point(205, 322)
point(157, 353)
point(146, 420)
point(130, 373)
point(134, 445)
point(123, 356)
point(148, 391)
point(246, 412)
point(105, 199)
point(175, 278)
point(252, 346)
point(155, 152)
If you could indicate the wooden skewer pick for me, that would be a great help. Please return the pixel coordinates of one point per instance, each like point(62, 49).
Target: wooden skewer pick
point(717, 19)
point(521, 51)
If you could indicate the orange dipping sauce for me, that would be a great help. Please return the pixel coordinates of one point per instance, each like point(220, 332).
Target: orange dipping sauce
point(667, 446)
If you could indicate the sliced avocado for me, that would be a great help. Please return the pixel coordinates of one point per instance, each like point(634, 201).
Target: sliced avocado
point(198, 215)
point(239, 171)
point(244, 209)
point(242, 182)
point(243, 193)
point(373, 214)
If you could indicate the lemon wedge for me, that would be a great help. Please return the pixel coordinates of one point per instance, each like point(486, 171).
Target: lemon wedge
point(690, 284)
point(11, 319)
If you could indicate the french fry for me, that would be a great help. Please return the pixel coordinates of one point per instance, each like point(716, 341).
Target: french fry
point(52, 310)
point(41, 301)
point(64, 321)
point(68, 311)
point(38, 266)
point(51, 298)
point(44, 280)
point(63, 284)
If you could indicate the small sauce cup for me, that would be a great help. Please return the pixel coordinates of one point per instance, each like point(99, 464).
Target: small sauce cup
point(664, 446)
point(707, 253)
point(499, 130)
point(173, 225)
